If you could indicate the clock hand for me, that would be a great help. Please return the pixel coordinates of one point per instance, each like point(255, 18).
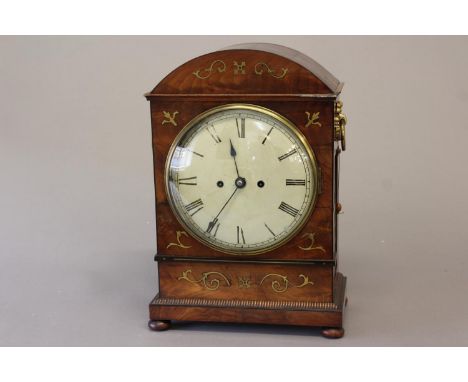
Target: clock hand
point(240, 181)
point(212, 223)
point(233, 154)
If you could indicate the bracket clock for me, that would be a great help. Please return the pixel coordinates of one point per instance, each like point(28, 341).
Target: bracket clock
point(246, 142)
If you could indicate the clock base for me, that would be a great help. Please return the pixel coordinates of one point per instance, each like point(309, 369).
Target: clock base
point(328, 315)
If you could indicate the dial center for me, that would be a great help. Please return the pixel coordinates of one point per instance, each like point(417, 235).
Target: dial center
point(240, 182)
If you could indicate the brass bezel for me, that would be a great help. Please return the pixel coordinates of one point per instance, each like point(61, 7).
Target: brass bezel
point(274, 115)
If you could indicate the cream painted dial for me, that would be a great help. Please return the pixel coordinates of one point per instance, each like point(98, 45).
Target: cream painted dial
point(241, 179)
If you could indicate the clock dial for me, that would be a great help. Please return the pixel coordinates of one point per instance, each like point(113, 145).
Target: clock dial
point(241, 179)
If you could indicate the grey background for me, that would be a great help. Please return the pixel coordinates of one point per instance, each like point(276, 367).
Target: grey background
point(77, 207)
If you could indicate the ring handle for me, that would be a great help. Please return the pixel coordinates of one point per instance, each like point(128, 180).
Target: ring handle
point(340, 122)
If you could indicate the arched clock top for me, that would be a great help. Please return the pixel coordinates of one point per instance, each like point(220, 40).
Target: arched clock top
point(252, 69)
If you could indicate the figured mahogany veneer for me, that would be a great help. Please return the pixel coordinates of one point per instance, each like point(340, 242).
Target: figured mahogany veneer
point(224, 79)
point(272, 289)
point(269, 282)
point(329, 316)
point(321, 141)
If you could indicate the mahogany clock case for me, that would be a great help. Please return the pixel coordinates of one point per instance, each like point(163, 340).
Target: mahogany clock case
point(295, 284)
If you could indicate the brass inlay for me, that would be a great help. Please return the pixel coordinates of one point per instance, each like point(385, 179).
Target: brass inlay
point(244, 282)
point(205, 281)
point(305, 282)
point(179, 243)
point(239, 68)
point(261, 66)
point(340, 122)
point(283, 285)
point(275, 285)
point(312, 119)
point(311, 246)
point(170, 118)
point(218, 65)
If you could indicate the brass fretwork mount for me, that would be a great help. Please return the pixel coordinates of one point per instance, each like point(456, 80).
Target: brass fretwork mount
point(340, 121)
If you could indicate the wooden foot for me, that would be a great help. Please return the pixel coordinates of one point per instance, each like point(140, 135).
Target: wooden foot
point(159, 325)
point(332, 332)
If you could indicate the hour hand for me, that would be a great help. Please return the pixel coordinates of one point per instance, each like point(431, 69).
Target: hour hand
point(233, 151)
point(233, 154)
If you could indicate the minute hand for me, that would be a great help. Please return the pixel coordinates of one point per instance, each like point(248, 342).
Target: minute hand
point(211, 224)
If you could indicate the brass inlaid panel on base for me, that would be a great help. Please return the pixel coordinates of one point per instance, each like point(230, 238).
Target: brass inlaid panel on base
point(264, 282)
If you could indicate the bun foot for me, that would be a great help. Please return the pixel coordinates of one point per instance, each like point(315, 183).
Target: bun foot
point(332, 332)
point(159, 326)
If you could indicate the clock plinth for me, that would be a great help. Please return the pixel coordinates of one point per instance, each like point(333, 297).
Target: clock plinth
point(329, 316)
point(246, 146)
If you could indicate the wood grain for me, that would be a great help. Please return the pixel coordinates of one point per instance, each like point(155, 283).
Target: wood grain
point(297, 80)
point(331, 318)
point(321, 142)
point(296, 87)
point(269, 282)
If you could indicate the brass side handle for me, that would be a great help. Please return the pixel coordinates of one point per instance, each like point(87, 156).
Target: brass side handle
point(340, 122)
point(339, 207)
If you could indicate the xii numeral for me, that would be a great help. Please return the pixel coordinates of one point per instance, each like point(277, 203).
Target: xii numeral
point(197, 205)
point(240, 127)
point(285, 207)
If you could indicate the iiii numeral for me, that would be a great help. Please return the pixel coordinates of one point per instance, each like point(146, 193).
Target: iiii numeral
point(285, 207)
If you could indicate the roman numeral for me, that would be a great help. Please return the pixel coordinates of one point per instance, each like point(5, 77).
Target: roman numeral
point(263, 142)
point(284, 156)
point(184, 152)
point(197, 205)
point(192, 181)
point(240, 235)
point(216, 230)
point(213, 133)
point(288, 209)
point(194, 152)
point(295, 182)
point(211, 225)
point(241, 128)
point(269, 229)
